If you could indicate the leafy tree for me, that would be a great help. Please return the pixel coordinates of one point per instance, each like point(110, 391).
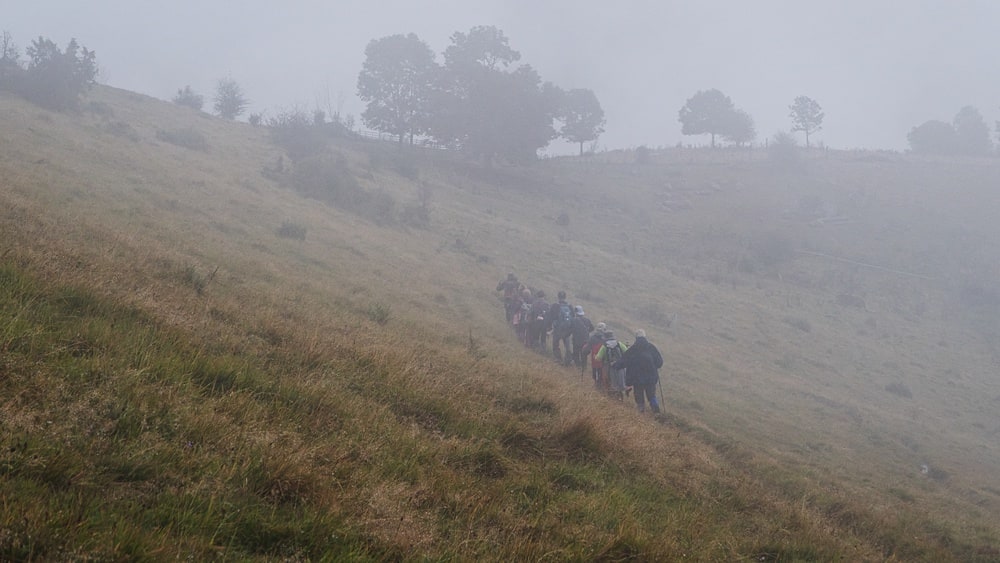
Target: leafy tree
point(708, 111)
point(741, 128)
point(396, 81)
point(972, 135)
point(56, 78)
point(807, 116)
point(10, 63)
point(230, 102)
point(484, 47)
point(933, 137)
point(189, 98)
point(485, 108)
point(582, 117)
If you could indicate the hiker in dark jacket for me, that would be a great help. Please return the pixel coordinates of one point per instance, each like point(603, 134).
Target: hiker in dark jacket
point(511, 288)
point(560, 320)
point(581, 333)
point(536, 322)
point(642, 362)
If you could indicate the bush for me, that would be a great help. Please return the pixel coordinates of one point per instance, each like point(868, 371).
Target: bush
point(187, 138)
point(289, 229)
point(54, 78)
point(783, 150)
point(298, 134)
point(188, 98)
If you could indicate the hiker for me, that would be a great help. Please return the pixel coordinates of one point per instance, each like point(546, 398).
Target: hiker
point(522, 316)
point(612, 377)
point(593, 346)
point(641, 363)
point(536, 324)
point(560, 321)
point(510, 288)
point(580, 331)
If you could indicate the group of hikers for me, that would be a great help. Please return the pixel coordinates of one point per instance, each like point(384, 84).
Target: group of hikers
point(616, 368)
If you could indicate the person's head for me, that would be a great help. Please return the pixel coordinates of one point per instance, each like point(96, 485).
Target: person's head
point(562, 295)
point(601, 327)
point(608, 335)
point(511, 277)
point(526, 293)
point(578, 311)
point(640, 333)
point(539, 293)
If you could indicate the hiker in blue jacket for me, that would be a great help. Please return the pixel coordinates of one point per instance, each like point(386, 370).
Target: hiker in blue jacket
point(642, 362)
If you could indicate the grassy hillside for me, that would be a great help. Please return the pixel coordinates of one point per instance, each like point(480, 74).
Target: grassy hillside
point(197, 360)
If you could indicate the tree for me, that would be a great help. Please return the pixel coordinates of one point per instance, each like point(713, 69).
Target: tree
point(582, 117)
point(933, 137)
point(741, 128)
point(972, 135)
point(807, 116)
point(189, 98)
point(708, 111)
point(57, 78)
point(396, 81)
point(484, 47)
point(230, 102)
point(10, 63)
point(485, 108)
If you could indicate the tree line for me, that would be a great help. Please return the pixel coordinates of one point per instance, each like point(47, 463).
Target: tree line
point(479, 99)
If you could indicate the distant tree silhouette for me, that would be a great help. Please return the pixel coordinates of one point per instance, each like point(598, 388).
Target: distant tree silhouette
point(741, 128)
point(972, 135)
point(487, 109)
point(189, 98)
point(52, 78)
point(933, 137)
point(230, 102)
point(396, 81)
point(582, 117)
point(10, 60)
point(807, 116)
point(707, 112)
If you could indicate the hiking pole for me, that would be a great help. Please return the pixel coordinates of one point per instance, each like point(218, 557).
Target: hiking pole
point(663, 406)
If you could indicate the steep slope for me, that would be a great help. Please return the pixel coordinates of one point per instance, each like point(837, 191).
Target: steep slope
point(180, 378)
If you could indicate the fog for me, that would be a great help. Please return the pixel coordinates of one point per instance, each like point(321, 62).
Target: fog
point(877, 68)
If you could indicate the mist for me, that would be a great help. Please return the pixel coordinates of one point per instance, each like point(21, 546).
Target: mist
point(877, 69)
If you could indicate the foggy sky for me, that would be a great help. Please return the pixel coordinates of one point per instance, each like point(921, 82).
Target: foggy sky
point(878, 68)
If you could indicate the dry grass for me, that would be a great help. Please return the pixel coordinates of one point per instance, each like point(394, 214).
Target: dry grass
point(179, 379)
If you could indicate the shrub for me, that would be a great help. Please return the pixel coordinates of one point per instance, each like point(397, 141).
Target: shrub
point(187, 138)
point(189, 98)
point(378, 313)
point(642, 155)
point(289, 229)
point(230, 102)
point(297, 133)
point(55, 78)
point(783, 150)
point(327, 179)
point(900, 389)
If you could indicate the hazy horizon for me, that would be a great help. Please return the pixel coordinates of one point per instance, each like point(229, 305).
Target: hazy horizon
point(877, 69)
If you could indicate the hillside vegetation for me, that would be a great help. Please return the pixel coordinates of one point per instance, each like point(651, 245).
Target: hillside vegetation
point(210, 351)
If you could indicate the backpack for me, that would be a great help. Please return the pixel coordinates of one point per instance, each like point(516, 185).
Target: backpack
point(612, 351)
point(564, 320)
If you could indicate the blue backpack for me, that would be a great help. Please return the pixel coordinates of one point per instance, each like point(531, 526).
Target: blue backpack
point(564, 321)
